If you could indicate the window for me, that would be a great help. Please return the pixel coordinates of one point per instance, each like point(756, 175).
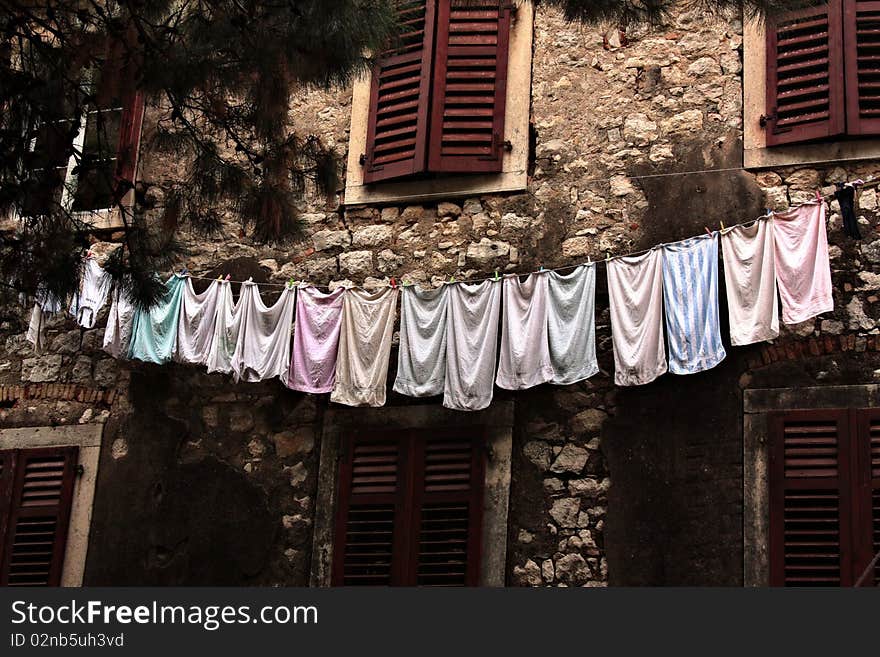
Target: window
point(410, 509)
point(823, 73)
point(445, 113)
point(84, 160)
point(824, 496)
point(438, 98)
point(36, 494)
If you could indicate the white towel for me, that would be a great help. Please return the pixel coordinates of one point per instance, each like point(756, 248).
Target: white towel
point(750, 281)
point(635, 290)
point(227, 326)
point(803, 271)
point(44, 305)
point(364, 347)
point(471, 345)
point(263, 348)
point(572, 325)
point(421, 361)
point(195, 326)
point(93, 290)
point(524, 361)
point(117, 334)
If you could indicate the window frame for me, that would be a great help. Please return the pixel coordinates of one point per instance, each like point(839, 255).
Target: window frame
point(338, 422)
point(756, 152)
point(513, 176)
point(88, 440)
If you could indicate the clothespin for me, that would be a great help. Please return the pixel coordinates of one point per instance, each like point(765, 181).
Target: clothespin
point(228, 276)
point(768, 212)
point(452, 279)
point(393, 282)
point(183, 271)
point(291, 283)
point(405, 283)
point(497, 276)
point(541, 268)
point(722, 225)
point(708, 232)
point(220, 277)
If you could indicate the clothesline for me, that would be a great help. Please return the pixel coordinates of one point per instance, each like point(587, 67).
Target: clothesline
point(562, 268)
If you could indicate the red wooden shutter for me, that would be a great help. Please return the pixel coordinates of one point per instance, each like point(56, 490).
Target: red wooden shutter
point(805, 98)
point(861, 24)
point(868, 493)
point(470, 86)
point(409, 510)
point(811, 506)
point(448, 504)
point(36, 535)
point(132, 118)
point(397, 129)
point(372, 522)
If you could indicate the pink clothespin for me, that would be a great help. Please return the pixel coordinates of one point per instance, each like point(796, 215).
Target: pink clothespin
point(708, 232)
point(818, 196)
point(228, 276)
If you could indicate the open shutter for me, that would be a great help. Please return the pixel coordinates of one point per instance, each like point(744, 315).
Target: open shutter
point(811, 506)
point(371, 522)
point(805, 98)
point(130, 126)
point(862, 27)
point(470, 86)
point(448, 506)
point(397, 129)
point(36, 535)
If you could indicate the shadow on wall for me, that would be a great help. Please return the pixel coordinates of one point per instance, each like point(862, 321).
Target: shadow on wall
point(161, 521)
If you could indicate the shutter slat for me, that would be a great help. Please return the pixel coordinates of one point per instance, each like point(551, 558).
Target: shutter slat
point(399, 96)
point(39, 510)
point(470, 84)
point(805, 63)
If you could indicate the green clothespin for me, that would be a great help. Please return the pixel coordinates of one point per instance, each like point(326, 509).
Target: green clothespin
point(496, 275)
point(452, 279)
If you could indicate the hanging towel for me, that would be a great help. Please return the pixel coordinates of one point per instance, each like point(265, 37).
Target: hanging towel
point(120, 321)
point(315, 340)
point(45, 304)
point(421, 360)
point(571, 320)
point(750, 281)
point(471, 344)
point(364, 347)
point(227, 325)
point(524, 361)
point(635, 291)
point(690, 294)
point(803, 271)
point(263, 348)
point(195, 328)
point(92, 295)
point(154, 335)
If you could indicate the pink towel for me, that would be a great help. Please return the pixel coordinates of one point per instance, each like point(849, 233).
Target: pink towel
point(315, 340)
point(803, 272)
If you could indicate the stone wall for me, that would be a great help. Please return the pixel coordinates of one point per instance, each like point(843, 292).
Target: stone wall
point(203, 481)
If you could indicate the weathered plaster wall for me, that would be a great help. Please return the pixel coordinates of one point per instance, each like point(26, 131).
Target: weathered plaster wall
point(203, 481)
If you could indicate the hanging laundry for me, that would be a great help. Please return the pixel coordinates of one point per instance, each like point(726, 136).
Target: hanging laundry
point(845, 195)
point(572, 324)
point(524, 360)
point(421, 360)
point(263, 348)
point(364, 347)
point(690, 295)
point(635, 291)
point(120, 321)
point(315, 340)
point(227, 325)
point(750, 281)
point(154, 334)
point(803, 271)
point(92, 295)
point(195, 328)
point(44, 305)
point(471, 344)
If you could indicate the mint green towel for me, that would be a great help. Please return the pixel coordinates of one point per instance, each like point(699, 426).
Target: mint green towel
point(154, 336)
